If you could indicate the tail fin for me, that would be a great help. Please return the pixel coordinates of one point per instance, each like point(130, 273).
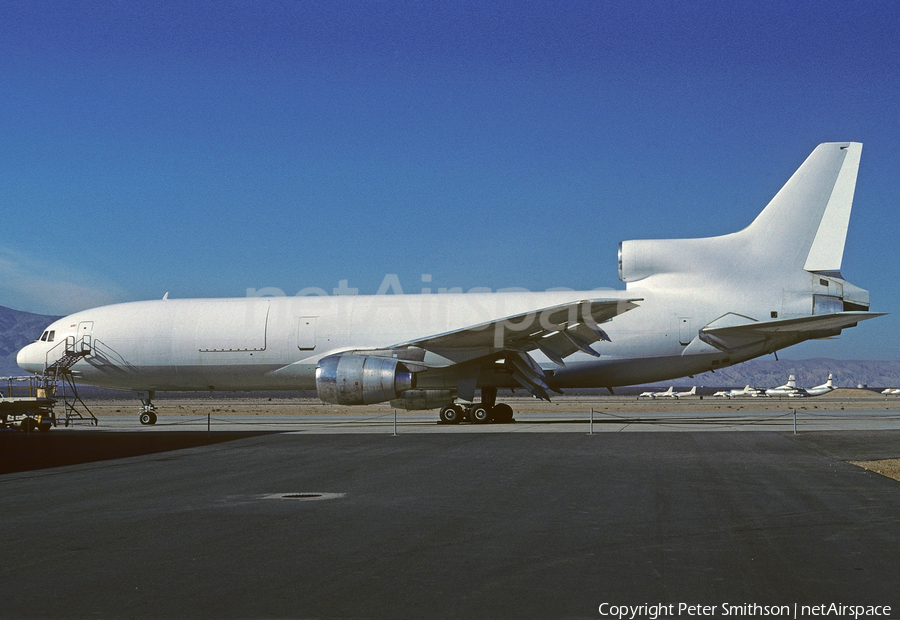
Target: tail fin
point(803, 227)
point(806, 222)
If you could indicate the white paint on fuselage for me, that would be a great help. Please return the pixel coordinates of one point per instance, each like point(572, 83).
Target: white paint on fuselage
point(176, 344)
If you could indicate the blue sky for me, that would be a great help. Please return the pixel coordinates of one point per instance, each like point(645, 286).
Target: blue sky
point(204, 148)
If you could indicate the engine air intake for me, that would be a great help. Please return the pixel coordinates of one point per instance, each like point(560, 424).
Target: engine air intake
point(361, 380)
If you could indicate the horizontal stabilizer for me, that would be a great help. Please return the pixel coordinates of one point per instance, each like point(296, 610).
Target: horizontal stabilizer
point(734, 337)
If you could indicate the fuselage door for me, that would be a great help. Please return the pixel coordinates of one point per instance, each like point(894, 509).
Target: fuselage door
point(306, 333)
point(83, 336)
point(684, 330)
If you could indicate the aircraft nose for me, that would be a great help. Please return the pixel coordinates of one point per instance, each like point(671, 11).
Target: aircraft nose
point(28, 359)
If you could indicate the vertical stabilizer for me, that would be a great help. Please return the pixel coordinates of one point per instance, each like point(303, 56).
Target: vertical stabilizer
point(803, 227)
point(806, 222)
point(827, 249)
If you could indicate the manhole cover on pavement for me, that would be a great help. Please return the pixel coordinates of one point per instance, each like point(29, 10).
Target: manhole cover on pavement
point(302, 496)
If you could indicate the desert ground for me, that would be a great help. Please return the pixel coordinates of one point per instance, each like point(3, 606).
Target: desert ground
point(172, 404)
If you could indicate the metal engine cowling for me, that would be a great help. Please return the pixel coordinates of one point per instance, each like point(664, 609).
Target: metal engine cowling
point(361, 379)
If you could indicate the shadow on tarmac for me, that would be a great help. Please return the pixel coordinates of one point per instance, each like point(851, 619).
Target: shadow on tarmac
point(30, 451)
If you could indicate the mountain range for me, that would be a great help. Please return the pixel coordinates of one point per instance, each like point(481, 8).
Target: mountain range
point(18, 328)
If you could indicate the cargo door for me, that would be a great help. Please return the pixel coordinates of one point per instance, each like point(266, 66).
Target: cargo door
point(232, 325)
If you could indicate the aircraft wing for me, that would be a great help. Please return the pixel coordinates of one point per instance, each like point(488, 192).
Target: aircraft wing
point(734, 337)
point(558, 331)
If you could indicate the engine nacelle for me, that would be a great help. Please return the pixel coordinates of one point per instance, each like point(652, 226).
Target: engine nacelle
point(416, 400)
point(646, 257)
point(361, 379)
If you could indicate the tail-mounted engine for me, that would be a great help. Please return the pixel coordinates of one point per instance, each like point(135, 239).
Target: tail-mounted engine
point(361, 379)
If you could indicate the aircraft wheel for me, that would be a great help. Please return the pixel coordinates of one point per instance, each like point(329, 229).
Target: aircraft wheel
point(503, 413)
point(28, 425)
point(148, 417)
point(451, 414)
point(480, 414)
point(44, 426)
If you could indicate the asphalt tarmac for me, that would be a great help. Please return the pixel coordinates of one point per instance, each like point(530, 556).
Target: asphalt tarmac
point(451, 524)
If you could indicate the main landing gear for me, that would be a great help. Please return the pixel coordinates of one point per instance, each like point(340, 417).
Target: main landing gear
point(479, 413)
point(148, 410)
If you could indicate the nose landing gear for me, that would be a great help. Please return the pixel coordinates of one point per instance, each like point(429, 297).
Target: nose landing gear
point(148, 410)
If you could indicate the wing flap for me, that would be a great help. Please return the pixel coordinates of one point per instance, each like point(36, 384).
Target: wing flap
point(529, 374)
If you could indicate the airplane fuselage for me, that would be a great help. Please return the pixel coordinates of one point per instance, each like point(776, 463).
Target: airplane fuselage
point(275, 343)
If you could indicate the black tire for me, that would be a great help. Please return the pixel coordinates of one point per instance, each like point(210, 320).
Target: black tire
point(480, 414)
point(152, 418)
point(145, 418)
point(28, 425)
point(450, 414)
point(44, 426)
point(503, 413)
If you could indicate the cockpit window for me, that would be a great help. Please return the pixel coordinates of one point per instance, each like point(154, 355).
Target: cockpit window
point(44, 336)
point(50, 335)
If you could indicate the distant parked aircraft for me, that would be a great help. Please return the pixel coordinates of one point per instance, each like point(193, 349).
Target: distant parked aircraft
point(821, 389)
point(691, 392)
point(788, 389)
point(747, 391)
point(665, 394)
point(891, 392)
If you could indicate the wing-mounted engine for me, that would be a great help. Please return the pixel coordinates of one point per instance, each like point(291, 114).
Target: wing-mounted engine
point(361, 379)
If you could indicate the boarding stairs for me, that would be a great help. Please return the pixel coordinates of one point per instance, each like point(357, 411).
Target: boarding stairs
point(58, 374)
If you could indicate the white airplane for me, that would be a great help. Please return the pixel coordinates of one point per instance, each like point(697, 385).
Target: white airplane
point(690, 392)
point(826, 387)
point(788, 389)
point(747, 391)
point(665, 394)
point(891, 392)
point(689, 306)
